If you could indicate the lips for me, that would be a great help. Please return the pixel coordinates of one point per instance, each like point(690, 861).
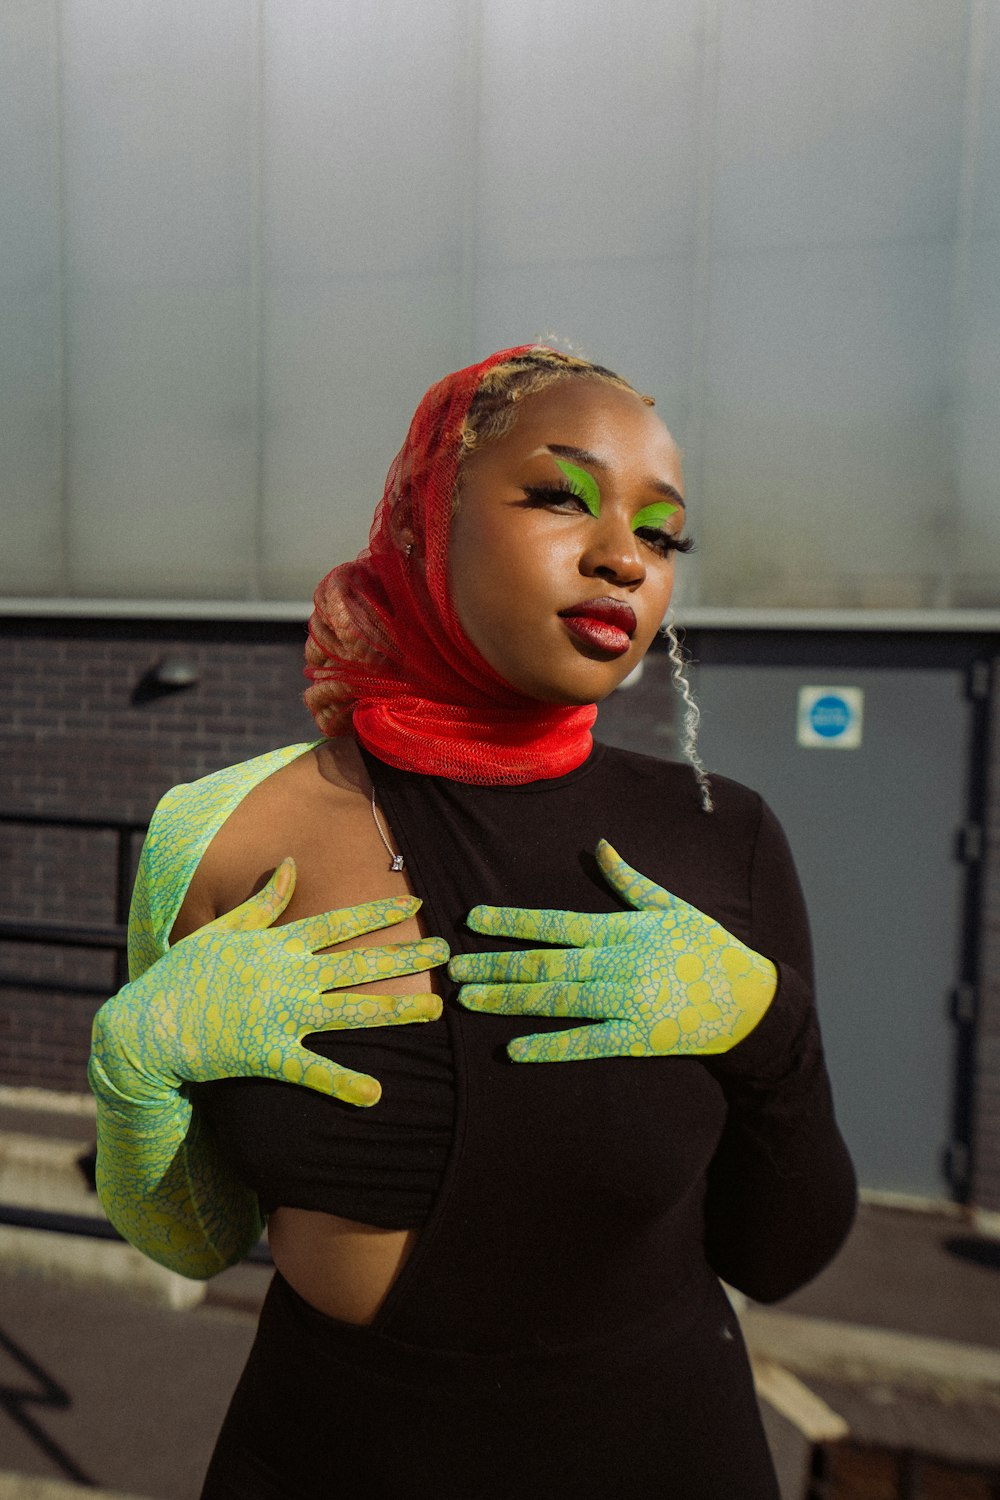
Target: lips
point(608, 611)
point(607, 624)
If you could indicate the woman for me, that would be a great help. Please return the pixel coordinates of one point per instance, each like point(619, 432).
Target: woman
point(502, 1279)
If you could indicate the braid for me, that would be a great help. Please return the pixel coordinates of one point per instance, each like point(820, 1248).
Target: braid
point(493, 409)
point(692, 716)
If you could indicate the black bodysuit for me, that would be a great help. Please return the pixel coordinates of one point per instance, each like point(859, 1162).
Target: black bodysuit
point(558, 1329)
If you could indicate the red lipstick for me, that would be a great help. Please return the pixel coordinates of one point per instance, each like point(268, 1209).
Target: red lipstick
point(608, 624)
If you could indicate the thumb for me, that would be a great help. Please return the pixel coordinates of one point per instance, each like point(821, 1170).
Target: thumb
point(641, 893)
point(264, 908)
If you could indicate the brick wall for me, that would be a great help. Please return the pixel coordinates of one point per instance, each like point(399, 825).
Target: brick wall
point(82, 735)
point(85, 733)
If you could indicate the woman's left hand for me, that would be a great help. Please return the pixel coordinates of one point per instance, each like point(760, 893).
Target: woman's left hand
point(663, 979)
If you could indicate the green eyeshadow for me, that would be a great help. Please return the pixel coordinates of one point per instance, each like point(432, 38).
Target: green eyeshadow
point(583, 485)
point(653, 516)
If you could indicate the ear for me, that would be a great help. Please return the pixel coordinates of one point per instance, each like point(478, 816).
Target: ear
point(401, 529)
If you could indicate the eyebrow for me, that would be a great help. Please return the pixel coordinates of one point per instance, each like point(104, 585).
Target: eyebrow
point(591, 460)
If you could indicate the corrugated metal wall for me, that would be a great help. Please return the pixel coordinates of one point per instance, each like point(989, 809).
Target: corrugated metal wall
point(240, 237)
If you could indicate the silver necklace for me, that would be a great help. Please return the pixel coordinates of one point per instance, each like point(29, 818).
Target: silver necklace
point(397, 859)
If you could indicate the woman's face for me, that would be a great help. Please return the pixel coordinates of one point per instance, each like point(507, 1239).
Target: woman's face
point(561, 554)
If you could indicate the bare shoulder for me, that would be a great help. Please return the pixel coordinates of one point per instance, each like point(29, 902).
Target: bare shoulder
point(283, 815)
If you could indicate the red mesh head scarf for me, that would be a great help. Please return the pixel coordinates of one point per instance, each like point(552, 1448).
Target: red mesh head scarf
point(386, 653)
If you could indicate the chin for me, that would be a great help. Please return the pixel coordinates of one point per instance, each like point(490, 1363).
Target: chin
point(595, 689)
point(569, 678)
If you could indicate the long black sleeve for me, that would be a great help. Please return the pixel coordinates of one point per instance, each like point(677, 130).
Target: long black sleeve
point(781, 1188)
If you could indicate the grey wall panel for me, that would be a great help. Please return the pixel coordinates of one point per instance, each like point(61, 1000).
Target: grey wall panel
point(983, 117)
point(975, 416)
point(159, 114)
point(365, 129)
point(590, 132)
point(827, 467)
point(244, 236)
point(159, 131)
point(634, 315)
point(839, 124)
point(347, 366)
point(32, 556)
point(161, 482)
point(365, 132)
point(874, 832)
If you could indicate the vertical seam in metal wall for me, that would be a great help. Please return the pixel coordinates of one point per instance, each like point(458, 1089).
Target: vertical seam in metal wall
point(471, 109)
point(61, 462)
point(256, 563)
point(701, 299)
point(972, 108)
point(985, 1184)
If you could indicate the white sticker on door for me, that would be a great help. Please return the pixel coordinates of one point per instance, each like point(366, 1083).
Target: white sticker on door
point(830, 718)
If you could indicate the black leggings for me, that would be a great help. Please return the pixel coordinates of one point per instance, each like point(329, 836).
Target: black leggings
point(324, 1410)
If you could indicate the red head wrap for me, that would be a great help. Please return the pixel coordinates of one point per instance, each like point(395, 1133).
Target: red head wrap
point(386, 653)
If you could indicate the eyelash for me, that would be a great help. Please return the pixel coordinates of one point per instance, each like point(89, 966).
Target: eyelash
point(663, 542)
point(547, 494)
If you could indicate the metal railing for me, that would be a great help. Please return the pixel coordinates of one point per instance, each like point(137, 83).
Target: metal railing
point(108, 937)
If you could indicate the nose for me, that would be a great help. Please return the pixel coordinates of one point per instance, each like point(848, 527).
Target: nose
point(614, 552)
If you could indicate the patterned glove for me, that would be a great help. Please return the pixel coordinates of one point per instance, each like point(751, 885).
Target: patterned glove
point(233, 999)
point(662, 979)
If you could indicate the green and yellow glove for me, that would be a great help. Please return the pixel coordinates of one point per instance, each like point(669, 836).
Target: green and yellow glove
point(663, 979)
point(232, 1000)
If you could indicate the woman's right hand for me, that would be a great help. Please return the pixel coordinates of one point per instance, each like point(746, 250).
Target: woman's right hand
point(235, 998)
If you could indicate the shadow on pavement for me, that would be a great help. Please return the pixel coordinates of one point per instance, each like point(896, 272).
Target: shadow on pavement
point(47, 1394)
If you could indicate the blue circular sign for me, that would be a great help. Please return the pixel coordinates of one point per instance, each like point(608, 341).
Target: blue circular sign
point(830, 716)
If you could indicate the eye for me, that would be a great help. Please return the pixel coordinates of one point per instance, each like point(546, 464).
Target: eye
point(648, 526)
point(582, 484)
point(664, 542)
point(564, 496)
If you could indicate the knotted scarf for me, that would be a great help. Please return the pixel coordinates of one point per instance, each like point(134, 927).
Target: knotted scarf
point(386, 653)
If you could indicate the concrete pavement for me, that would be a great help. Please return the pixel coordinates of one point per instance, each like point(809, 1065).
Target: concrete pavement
point(102, 1388)
point(114, 1377)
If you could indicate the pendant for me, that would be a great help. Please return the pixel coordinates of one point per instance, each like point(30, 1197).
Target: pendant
point(397, 863)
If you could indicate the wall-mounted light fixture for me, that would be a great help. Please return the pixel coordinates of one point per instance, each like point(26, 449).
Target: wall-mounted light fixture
point(175, 671)
point(171, 674)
